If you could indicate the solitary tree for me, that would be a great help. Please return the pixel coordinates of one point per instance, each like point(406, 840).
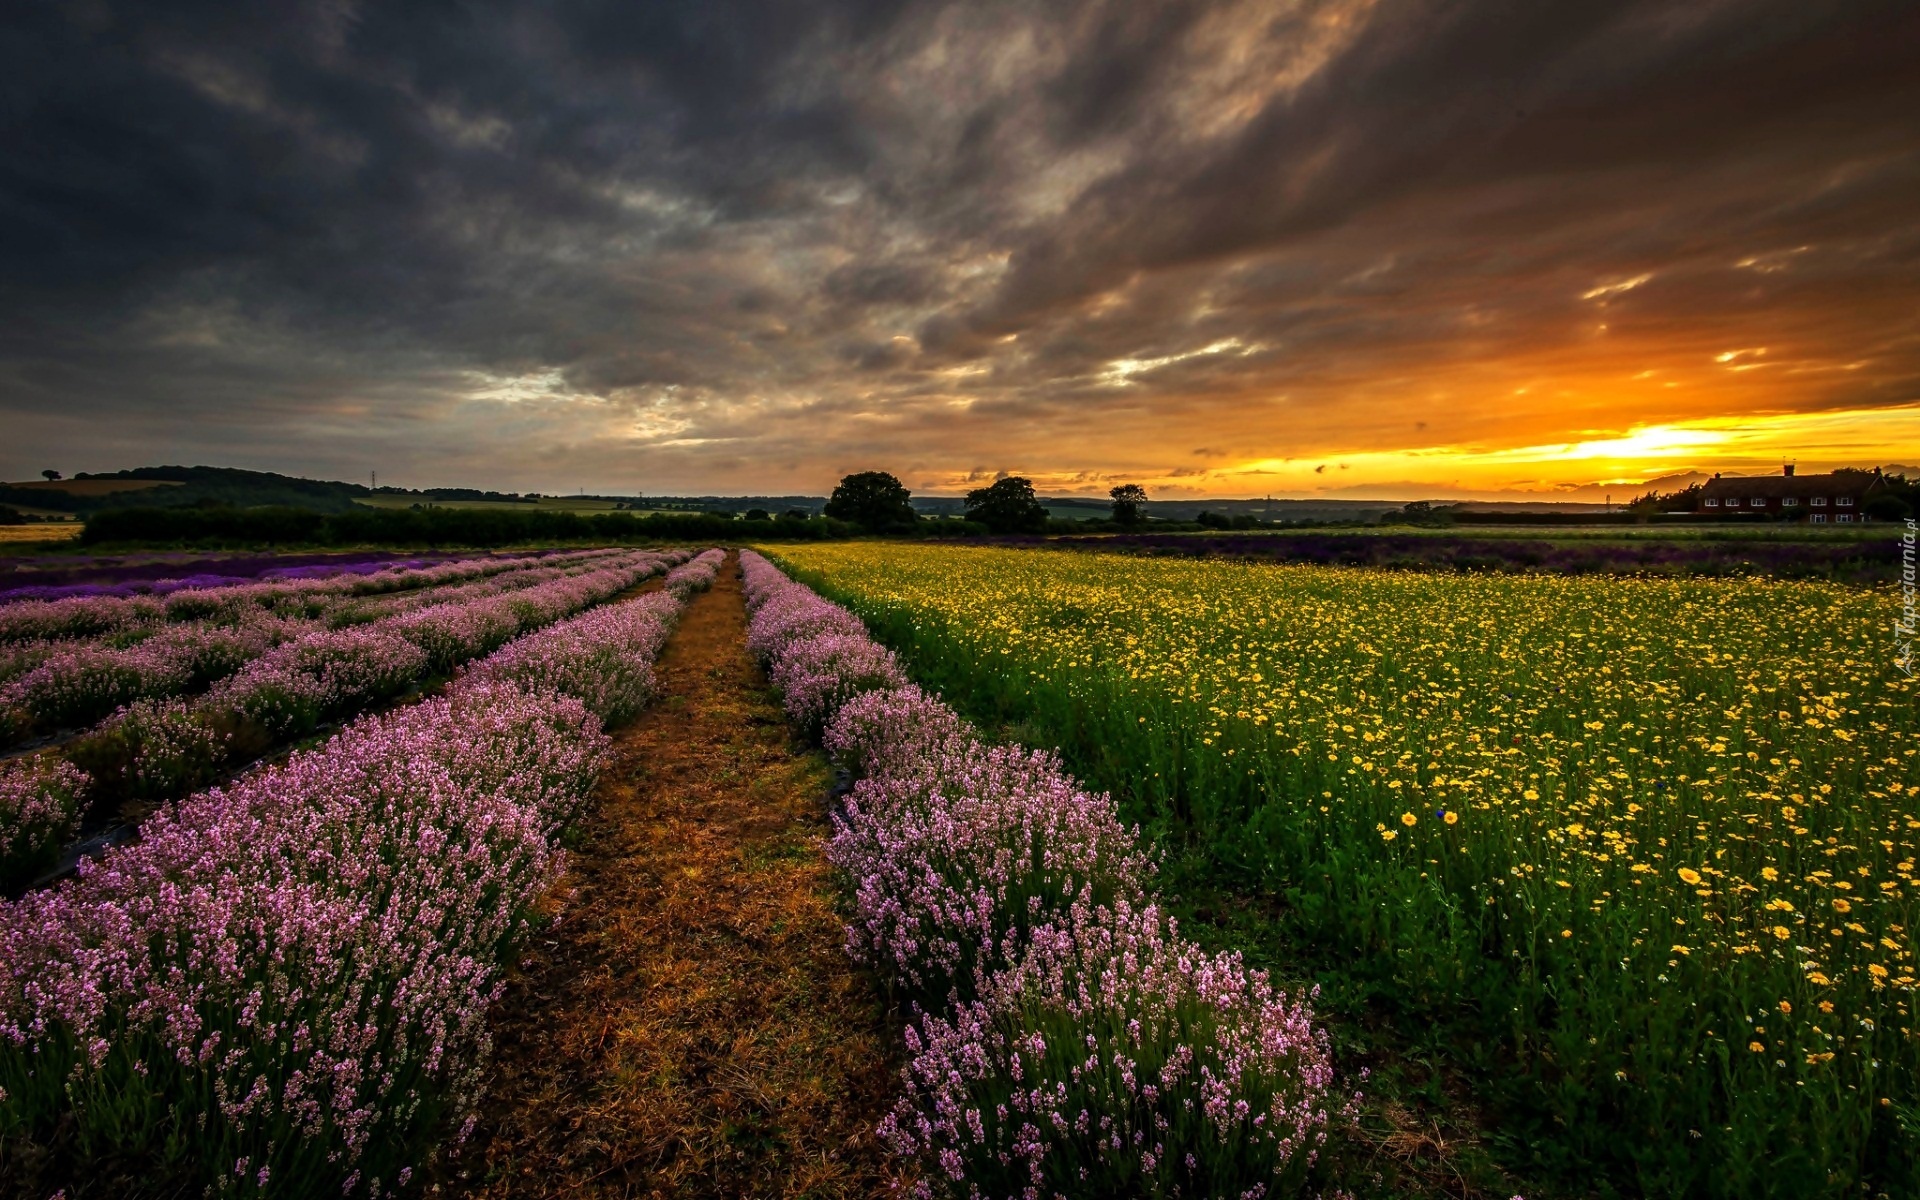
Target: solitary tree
point(1127, 499)
point(873, 500)
point(1008, 506)
point(50, 474)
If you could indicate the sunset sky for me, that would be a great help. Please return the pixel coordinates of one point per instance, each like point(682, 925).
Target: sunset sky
point(1393, 248)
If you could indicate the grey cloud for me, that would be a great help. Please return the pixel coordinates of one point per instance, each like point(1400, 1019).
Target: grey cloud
point(726, 237)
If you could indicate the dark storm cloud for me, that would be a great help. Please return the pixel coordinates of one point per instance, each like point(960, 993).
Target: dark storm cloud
point(697, 244)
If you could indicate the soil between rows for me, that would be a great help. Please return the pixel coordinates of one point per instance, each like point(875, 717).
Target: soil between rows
point(690, 1024)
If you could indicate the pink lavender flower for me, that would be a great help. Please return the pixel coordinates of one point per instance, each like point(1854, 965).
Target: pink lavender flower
point(695, 576)
point(40, 807)
point(892, 730)
point(603, 658)
point(1115, 1058)
point(816, 675)
point(957, 857)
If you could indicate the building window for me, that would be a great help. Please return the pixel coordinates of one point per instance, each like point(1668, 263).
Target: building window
point(1845, 502)
point(1713, 504)
point(1846, 516)
point(1757, 502)
point(1819, 518)
point(1819, 501)
point(1790, 502)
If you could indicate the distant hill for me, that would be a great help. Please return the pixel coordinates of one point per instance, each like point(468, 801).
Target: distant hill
point(182, 487)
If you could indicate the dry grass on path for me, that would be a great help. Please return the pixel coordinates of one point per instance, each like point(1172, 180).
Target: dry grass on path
point(691, 1026)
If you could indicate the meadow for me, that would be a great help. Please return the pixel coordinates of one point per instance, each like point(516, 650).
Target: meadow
point(1646, 846)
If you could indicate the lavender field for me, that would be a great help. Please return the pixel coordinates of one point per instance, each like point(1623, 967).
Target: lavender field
point(297, 965)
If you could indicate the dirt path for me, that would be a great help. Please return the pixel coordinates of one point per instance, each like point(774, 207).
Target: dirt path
point(691, 1025)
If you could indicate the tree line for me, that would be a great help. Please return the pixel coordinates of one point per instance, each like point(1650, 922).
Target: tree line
point(872, 502)
point(877, 502)
point(436, 527)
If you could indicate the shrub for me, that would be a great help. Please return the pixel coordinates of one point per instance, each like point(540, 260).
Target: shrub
point(956, 857)
point(816, 675)
point(40, 806)
point(1116, 1059)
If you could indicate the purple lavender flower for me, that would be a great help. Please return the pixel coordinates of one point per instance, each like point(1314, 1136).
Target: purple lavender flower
point(818, 674)
point(40, 806)
point(1115, 1058)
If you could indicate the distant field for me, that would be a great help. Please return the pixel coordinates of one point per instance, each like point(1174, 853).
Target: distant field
point(1703, 531)
point(95, 487)
point(20, 534)
point(582, 504)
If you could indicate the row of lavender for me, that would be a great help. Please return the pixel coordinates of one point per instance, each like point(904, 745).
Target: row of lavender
point(146, 576)
point(282, 988)
point(1065, 1039)
point(49, 684)
point(155, 750)
point(91, 615)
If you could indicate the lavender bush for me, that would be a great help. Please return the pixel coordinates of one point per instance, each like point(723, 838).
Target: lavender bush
point(159, 749)
point(292, 689)
point(1065, 1039)
point(890, 732)
point(217, 631)
point(39, 813)
point(958, 856)
point(104, 610)
point(695, 576)
point(818, 674)
point(604, 658)
point(1115, 1059)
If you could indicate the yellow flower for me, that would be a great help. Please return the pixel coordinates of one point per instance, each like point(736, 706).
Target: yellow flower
point(1787, 1008)
point(1566, 933)
point(1682, 950)
point(1876, 970)
point(1451, 818)
point(1757, 1047)
point(1689, 875)
point(1841, 905)
point(1781, 932)
point(1387, 835)
point(1816, 978)
point(1769, 874)
point(1409, 820)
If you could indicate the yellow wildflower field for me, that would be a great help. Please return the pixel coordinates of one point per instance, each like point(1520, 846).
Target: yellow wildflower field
point(1679, 814)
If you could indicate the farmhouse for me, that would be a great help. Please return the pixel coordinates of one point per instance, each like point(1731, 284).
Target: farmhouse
point(1839, 498)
